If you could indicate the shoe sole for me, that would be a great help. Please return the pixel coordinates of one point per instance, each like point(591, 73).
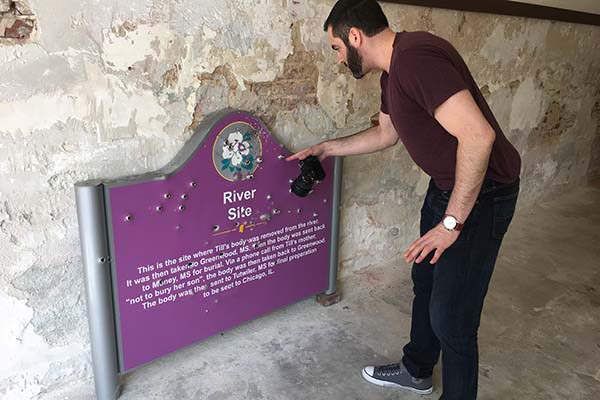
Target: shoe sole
point(377, 382)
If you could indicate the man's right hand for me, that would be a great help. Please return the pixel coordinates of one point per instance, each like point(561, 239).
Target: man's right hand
point(368, 141)
point(320, 150)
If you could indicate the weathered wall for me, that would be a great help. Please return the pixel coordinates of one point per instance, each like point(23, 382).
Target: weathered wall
point(107, 89)
point(594, 169)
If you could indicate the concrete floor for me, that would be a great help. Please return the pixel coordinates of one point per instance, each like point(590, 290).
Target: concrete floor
point(539, 339)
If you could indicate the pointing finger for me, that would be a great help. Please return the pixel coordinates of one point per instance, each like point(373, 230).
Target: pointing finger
point(299, 155)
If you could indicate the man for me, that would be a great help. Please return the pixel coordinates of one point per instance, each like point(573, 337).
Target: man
point(431, 102)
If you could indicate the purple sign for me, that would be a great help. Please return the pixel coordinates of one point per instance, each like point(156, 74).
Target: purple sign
point(218, 242)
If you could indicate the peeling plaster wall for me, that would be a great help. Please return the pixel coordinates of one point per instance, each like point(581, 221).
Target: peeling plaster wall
point(115, 88)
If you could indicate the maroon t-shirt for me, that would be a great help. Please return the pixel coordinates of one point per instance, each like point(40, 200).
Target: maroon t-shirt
point(425, 71)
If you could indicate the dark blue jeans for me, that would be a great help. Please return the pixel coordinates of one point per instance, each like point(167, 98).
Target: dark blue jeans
point(449, 295)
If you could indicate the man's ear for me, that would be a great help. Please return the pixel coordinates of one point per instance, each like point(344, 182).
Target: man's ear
point(355, 37)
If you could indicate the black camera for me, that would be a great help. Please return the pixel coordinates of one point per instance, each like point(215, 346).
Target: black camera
point(310, 172)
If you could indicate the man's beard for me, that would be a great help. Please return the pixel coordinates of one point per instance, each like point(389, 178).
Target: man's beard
point(355, 63)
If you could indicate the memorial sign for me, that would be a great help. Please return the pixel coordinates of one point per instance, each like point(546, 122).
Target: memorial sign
point(214, 239)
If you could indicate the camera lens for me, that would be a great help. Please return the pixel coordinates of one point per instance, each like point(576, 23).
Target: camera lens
point(301, 187)
point(310, 171)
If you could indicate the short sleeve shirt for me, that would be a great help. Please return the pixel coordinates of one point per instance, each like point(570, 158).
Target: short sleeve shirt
point(425, 71)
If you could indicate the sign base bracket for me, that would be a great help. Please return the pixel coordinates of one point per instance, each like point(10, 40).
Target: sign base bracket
point(327, 300)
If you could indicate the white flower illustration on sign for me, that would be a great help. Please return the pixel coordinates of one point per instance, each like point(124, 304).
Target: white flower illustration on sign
point(235, 148)
point(238, 149)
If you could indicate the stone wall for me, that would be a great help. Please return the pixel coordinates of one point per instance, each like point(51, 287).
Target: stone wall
point(113, 88)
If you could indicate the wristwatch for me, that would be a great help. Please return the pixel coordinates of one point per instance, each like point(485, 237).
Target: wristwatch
point(451, 223)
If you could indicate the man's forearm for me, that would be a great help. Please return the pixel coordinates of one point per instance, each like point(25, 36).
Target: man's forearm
point(367, 141)
point(472, 160)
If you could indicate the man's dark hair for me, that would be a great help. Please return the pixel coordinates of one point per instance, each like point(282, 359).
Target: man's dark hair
point(365, 15)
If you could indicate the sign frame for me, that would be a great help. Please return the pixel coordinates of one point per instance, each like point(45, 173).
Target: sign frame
point(97, 247)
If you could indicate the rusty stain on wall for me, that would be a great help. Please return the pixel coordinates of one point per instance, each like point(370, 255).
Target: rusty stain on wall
point(17, 21)
point(555, 123)
point(122, 29)
point(171, 76)
point(221, 78)
point(296, 84)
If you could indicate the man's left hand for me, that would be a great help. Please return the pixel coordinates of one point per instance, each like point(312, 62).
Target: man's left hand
point(438, 238)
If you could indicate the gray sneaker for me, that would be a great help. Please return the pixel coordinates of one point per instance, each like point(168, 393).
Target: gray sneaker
point(396, 375)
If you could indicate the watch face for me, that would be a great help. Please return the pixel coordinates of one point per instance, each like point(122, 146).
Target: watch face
point(449, 222)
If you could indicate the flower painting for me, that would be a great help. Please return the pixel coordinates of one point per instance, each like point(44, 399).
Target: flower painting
point(236, 151)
